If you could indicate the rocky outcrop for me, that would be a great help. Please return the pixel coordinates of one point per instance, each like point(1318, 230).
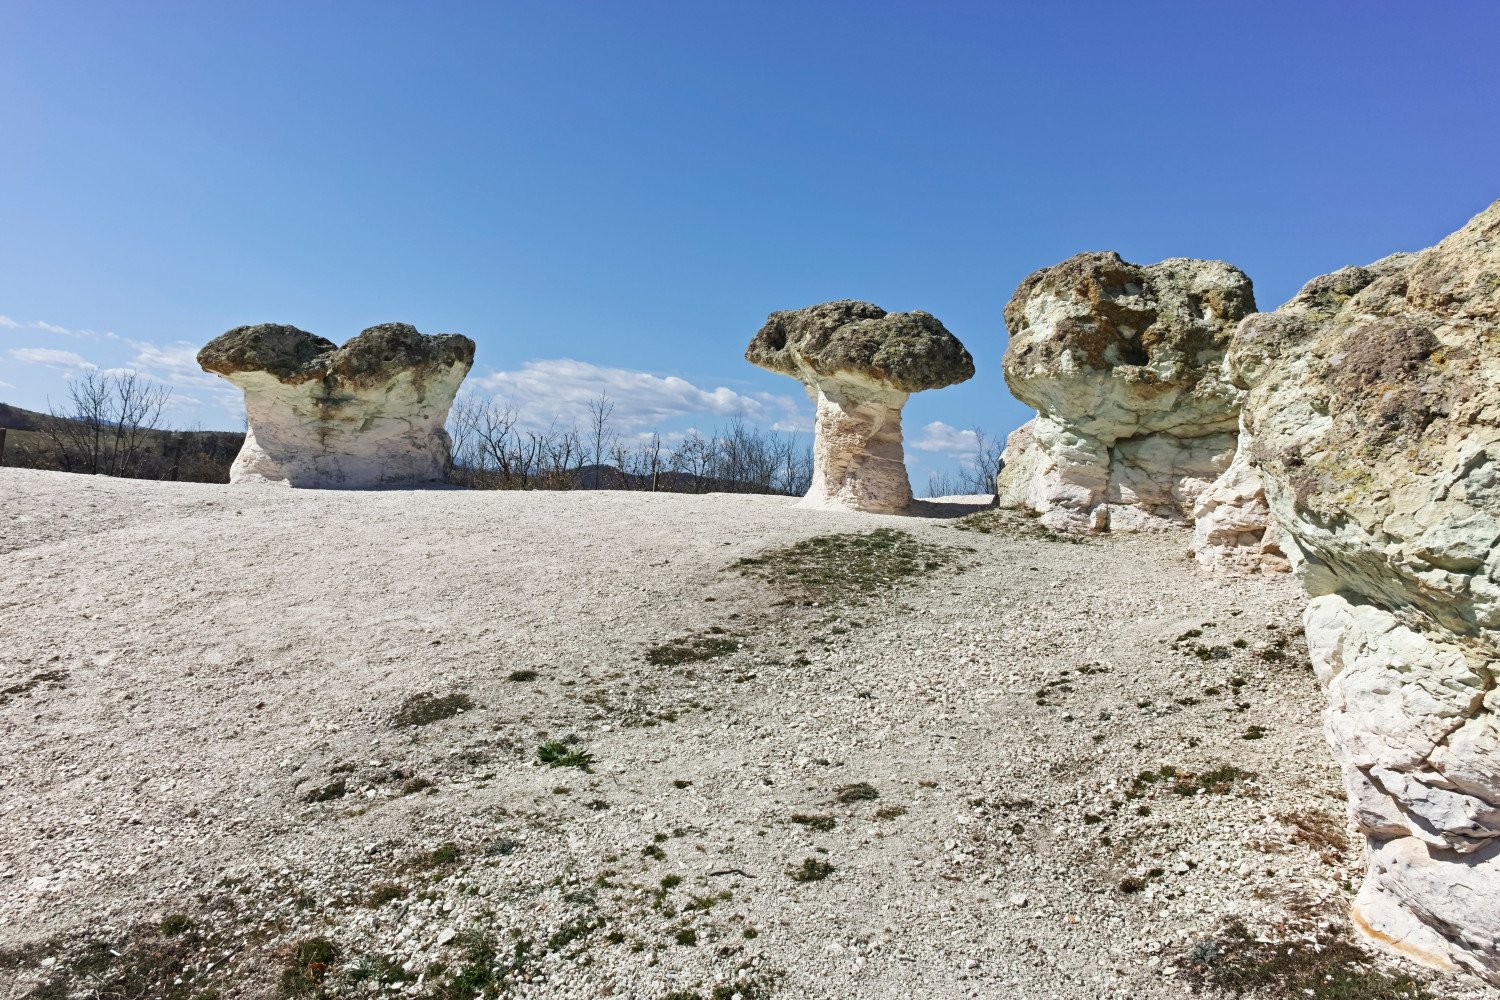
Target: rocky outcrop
point(1123, 364)
point(1373, 417)
point(859, 364)
point(1233, 531)
point(367, 414)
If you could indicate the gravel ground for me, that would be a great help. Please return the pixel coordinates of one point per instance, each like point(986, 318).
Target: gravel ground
point(204, 757)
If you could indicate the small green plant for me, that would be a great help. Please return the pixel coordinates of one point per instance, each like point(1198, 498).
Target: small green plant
point(820, 823)
point(425, 709)
point(671, 881)
point(890, 812)
point(681, 783)
point(441, 856)
point(687, 937)
point(327, 793)
point(383, 892)
point(1322, 966)
point(691, 649)
point(502, 847)
point(416, 784)
point(1255, 733)
point(309, 965)
point(522, 675)
point(811, 870)
point(555, 753)
point(174, 924)
point(832, 569)
point(860, 791)
point(379, 969)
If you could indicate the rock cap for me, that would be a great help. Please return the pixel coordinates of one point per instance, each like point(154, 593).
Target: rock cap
point(909, 351)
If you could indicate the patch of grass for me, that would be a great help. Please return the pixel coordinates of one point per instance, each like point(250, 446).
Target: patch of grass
point(378, 969)
point(425, 709)
point(309, 964)
point(691, 649)
point(1219, 781)
point(1330, 967)
point(846, 568)
point(327, 793)
point(555, 753)
point(522, 675)
point(416, 784)
point(383, 892)
point(860, 791)
point(811, 870)
point(681, 783)
point(671, 881)
point(446, 853)
point(174, 924)
point(502, 847)
point(890, 812)
point(996, 520)
point(820, 823)
point(686, 937)
point(1255, 733)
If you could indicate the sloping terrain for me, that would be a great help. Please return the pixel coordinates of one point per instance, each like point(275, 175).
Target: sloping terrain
point(261, 742)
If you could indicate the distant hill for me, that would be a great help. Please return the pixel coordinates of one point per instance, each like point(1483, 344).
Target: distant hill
point(41, 441)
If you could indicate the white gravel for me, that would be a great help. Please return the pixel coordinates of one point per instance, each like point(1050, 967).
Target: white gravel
point(183, 664)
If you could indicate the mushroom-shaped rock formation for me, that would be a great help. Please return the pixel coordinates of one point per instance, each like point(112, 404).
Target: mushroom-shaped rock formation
point(859, 364)
point(369, 413)
point(1123, 365)
point(1373, 417)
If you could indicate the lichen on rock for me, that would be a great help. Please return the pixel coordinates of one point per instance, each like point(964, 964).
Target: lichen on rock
point(1373, 417)
point(367, 414)
point(859, 364)
point(1123, 363)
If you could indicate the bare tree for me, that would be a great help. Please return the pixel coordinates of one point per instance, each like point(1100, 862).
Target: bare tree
point(978, 471)
point(106, 423)
point(601, 437)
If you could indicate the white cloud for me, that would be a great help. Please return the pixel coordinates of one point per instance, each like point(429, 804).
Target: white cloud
point(938, 436)
point(6, 321)
point(50, 357)
point(562, 389)
point(50, 328)
point(6, 385)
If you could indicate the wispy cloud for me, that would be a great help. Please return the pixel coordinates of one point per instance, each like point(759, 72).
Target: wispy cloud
point(6, 321)
point(938, 436)
point(50, 357)
point(50, 327)
point(562, 389)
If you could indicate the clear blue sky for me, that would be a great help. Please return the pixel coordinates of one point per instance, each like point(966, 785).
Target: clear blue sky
point(633, 186)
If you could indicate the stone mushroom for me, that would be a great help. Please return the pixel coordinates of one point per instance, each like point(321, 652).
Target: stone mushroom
point(859, 364)
point(1123, 363)
point(370, 413)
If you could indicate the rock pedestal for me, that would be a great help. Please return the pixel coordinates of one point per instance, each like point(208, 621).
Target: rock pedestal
point(859, 364)
point(368, 414)
point(1373, 417)
point(1123, 364)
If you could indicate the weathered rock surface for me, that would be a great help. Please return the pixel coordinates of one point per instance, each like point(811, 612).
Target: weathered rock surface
point(1233, 531)
point(1123, 364)
point(859, 364)
point(1374, 419)
point(370, 413)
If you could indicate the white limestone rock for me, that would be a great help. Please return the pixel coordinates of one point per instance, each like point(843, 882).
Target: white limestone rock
point(859, 364)
point(1123, 364)
point(368, 414)
point(1373, 417)
point(1233, 531)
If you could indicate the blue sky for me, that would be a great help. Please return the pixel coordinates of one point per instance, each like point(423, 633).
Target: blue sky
point(612, 196)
